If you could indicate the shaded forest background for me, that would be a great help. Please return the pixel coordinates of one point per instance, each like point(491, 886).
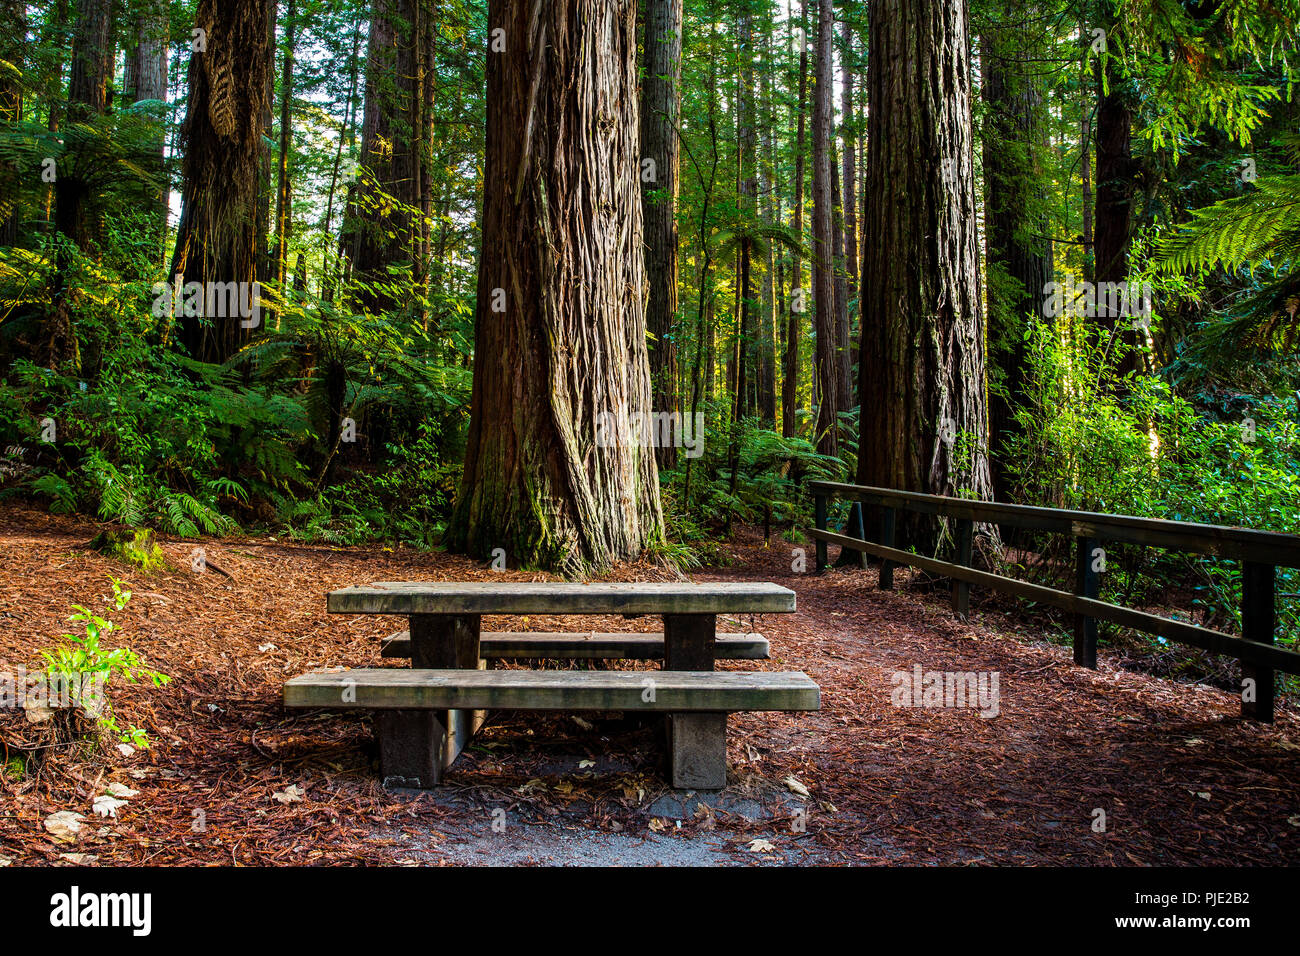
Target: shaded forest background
point(796, 234)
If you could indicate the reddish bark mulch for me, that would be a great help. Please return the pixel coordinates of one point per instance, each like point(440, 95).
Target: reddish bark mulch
point(1180, 777)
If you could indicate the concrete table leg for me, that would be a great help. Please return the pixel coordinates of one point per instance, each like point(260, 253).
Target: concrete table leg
point(415, 746)
point(697, 743)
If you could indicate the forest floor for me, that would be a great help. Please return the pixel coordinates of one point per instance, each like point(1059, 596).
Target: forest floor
point(231, 778)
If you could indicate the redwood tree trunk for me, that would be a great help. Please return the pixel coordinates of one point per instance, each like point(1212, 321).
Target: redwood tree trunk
point(13, 43)
point(922, 384)
point(394, 151)
point(1116, 184)
point(660, 101)
point(826, 377)
point(221, 232)
point(553, 472)
point(1011, 147)
point(790, 378)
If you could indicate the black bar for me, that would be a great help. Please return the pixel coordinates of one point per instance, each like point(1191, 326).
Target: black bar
point(1086, 584)
point(1258, 622)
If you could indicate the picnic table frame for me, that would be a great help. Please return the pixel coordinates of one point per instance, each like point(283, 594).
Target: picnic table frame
point(445, 621)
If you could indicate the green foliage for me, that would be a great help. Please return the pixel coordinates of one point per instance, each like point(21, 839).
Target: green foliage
point(84, 659)
point(1153, 453)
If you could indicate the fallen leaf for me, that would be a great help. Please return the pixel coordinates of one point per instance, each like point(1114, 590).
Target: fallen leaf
point(122, 790)
point(1294, 821)
point(290, 794)
point(760, 846)
point(5, 860)
point(79, 859)
point(796, 787)
point(657, 825)
point(264, 648)
point(584, 764)
point(107, 806)
point(126, 750)
point(36, 714)
point(585, 725)
point(65, 825)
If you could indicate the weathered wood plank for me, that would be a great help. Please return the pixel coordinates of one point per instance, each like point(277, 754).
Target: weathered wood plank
point(688, 641)
point(1265, 547)
point(613, 645)
point(398, 688)
point(526, 597)
point(1216, 641)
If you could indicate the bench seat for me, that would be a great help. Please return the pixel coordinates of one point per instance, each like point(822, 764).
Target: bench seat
point(588, 646)
point(385, 688)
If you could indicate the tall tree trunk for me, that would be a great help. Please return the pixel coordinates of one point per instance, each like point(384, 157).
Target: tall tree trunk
point(13, 49)
point(827, 367)
point(554, 473)
point(747, 191)
point(88, 96)
point(393, 152)
point(1116, 184)
point(922, 385)
point(283, 182)
point(146, 79)
point(796, 306)
point(221, 230)
point(1011, 146)
point(771, 214)
point(849, 192)
point(843, 361)
point(660, 105)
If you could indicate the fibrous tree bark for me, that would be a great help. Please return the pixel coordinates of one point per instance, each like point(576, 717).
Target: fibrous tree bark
point(922, 381)
point(660, 104)
point(826, 378)
point(146, 79)
point(221, 232)
point(556, 473)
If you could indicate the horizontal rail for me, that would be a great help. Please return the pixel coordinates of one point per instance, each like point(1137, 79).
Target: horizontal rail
point(1216, 641)
point(1244, 544)
point(1260, 554)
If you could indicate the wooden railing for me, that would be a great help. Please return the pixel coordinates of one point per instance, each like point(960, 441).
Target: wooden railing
point(1260, 554)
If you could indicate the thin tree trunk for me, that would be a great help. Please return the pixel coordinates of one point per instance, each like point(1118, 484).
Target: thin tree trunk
point(827, 386)
point(796, 306)
point(284, 185)
point(660, 104)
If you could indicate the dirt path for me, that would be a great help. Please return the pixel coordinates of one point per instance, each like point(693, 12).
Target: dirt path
point(1179, 777)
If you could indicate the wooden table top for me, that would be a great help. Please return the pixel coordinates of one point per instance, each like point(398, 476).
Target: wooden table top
point(521, 597)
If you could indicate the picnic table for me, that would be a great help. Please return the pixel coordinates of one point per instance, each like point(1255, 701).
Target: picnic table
point(424, 716)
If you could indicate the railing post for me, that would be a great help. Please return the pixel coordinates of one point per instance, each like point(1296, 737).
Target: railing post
point(858, 529)
point(887, 516)
point(961, 589)
point(1086, 584)
point(1258, 622)
point(820, 510)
